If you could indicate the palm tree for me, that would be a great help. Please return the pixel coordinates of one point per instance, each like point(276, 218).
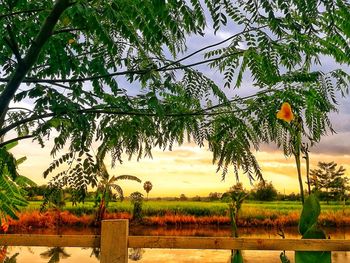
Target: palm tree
point(105, 188)
point(148, 187)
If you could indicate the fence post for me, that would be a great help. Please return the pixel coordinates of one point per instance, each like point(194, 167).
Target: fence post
point(114, 241)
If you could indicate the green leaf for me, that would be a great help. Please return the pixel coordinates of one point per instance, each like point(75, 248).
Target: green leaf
point(311, 210)
point(314, 233)
point(309, 215)
point(237, 257)
point(24, 181)
point(312, 257)
point(21, 160)
point(9, 146)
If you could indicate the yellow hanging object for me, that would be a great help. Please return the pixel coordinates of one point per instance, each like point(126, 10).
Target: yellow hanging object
point(285, 113)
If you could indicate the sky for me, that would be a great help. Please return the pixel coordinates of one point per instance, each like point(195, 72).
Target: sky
point(188, 169)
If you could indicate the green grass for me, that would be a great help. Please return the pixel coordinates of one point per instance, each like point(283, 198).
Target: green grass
point(152, 208)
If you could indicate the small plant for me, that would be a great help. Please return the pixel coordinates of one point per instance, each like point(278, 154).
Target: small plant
point(137, 199)
point(236, 197)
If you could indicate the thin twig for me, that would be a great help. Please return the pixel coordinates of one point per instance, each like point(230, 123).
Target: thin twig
point(22, 12)
point(2, 144)
point(138, 72)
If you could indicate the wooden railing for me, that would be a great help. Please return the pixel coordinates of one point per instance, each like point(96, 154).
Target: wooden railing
point(114, 242)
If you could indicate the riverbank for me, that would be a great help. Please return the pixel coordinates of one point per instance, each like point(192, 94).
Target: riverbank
point(180, 213)
point(54, 219)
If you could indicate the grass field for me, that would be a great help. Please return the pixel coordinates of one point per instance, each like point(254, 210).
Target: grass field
point(151, 208)
point(190, 212)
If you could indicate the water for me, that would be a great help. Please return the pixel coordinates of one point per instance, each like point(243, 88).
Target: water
point(88, 255)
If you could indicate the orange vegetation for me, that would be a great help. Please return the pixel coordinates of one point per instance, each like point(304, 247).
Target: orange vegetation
point(4, 226)
point(52, 219)
point(178, 220)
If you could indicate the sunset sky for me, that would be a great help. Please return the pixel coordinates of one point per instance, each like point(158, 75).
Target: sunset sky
point(188, 169)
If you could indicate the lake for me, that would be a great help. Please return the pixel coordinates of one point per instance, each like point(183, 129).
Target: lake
point(88, 255)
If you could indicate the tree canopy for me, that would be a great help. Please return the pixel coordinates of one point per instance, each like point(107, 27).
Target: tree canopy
point(331, 179)
point(117, 73)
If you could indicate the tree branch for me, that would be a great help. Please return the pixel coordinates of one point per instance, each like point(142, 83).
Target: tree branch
point(145, 71)
point(22, 12)
point(67, 30)
point(20, 108)
point(107, 110)
point(69, 88)
point(2, 144)
point(12, 43)
point(210, 46)
point(32, 55)
point(137, 72)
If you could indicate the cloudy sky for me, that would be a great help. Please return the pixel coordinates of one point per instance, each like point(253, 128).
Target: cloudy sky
point(188, 169)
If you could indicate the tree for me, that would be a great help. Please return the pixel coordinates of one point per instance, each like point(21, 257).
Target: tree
point(237, 188)
point(72, 55)
point(339, 187)
point(196, 198)
point(183, 197)
point(213, 196)
point(263, 191)
point(327, 177)
point(148, 187)
point(34, 192)
point(105, 189)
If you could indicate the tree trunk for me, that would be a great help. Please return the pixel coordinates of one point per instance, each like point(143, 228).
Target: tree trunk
point(25, 64)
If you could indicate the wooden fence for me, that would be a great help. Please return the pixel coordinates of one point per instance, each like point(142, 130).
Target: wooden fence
point(115, 241)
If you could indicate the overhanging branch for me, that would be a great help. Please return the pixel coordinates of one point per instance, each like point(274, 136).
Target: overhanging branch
point(110, 110)
point(33, 52)
point(126, 72)
point(29, 11)
point(2, 144)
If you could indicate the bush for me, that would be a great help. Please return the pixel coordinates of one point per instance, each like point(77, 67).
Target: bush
point(264, 191)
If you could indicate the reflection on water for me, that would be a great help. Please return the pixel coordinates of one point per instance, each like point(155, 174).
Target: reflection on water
point(48, 255)
point(55, 254)
point(84, 255)
point(225, 231)
point(135, 254)
point(89, 255)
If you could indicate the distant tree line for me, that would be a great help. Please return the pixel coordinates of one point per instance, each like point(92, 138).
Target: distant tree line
point(328, 181)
